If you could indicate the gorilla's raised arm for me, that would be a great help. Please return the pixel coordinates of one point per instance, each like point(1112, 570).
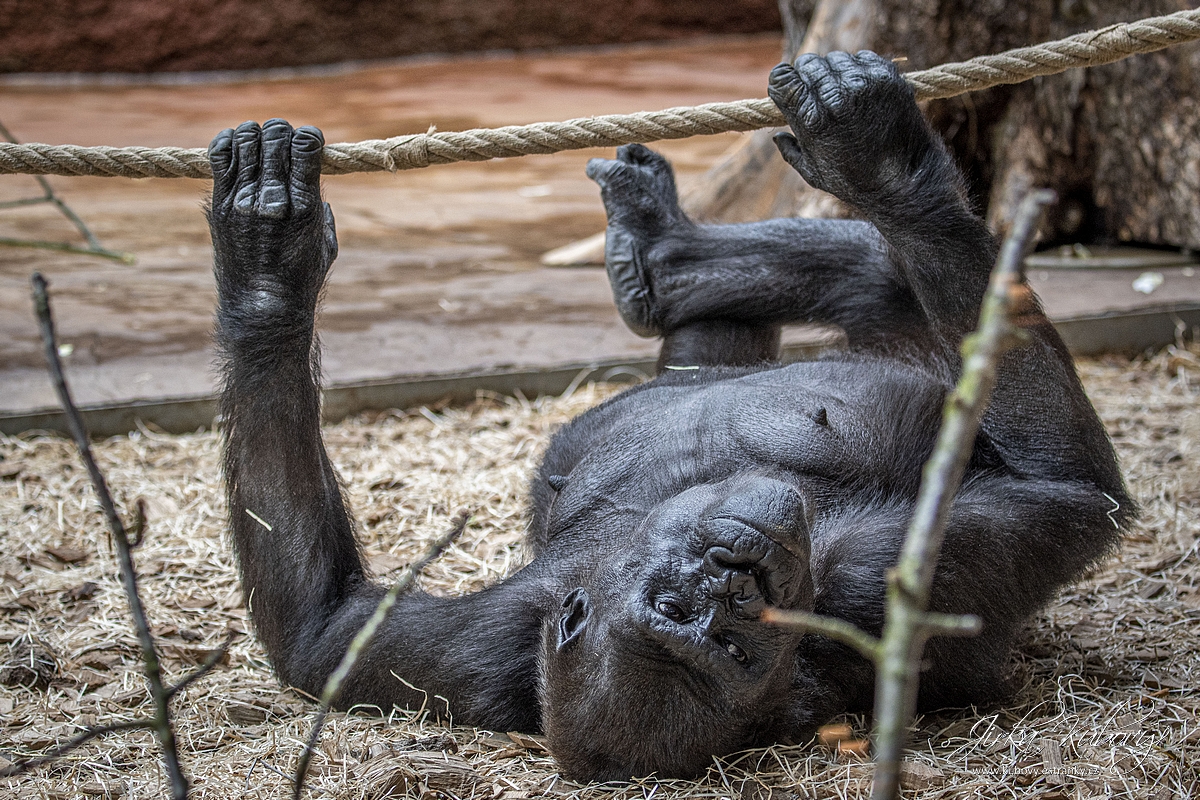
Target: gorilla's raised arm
point(302, 575)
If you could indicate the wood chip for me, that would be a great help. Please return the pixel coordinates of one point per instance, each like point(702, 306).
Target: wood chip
point(536, 744)
point(68, 555)
point(830, 735)
point(83, 591)
point(196, 602)
point(1052, 763)
point(1157, 654)
point(193, 655)
point(1151, 588)
point(919, 776)
point(854, 748)
point(1162, 681)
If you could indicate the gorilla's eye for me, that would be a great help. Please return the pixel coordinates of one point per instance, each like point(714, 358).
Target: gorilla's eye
point(739, 655)
point(670, 611)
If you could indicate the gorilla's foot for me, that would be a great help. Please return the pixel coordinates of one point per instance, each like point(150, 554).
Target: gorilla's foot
point(639, 194)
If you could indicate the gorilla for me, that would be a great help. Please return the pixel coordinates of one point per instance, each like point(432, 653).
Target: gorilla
point(664, 521)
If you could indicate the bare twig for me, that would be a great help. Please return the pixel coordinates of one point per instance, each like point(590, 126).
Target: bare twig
point(14, 770)
point(363, 638)
point(161, 722)
point(207, 666)
point(837, 629)
point(907, 624)
point(94, 247)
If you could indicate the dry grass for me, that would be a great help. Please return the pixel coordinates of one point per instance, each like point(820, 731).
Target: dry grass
point(1107, 674)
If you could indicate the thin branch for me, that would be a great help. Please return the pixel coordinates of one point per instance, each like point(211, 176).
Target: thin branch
point(161, 722)
point(64, 247)
point(94, 247)
point(214, 658)
point(935, 624)
point(837, 629)
point(137, 529)
point(907, 625)
point(363, 638)
point(14, 770)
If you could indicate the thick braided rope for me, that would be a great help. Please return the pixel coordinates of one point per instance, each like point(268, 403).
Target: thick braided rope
point(422, 150)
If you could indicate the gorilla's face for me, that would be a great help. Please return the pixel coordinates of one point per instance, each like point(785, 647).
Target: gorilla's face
point(661, 661)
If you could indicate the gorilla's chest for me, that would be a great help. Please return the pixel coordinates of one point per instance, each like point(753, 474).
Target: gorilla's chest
point(858, 426)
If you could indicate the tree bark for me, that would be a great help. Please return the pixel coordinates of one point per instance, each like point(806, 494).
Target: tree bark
point(1119, 143)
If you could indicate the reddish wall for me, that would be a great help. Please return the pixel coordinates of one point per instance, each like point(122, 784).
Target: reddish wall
point(178, 35)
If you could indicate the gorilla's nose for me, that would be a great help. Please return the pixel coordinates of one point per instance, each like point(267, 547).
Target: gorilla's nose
point(758, 546)
point(770, 506)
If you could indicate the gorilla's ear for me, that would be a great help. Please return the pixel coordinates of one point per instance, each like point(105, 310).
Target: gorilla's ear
point(576, 611)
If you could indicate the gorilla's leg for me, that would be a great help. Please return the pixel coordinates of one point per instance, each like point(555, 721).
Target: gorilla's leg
point(860, 136)
point(302, 575)
point(717, 294)
point(1043, 497)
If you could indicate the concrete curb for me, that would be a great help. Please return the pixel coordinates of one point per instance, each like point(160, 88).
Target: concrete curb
point(1115, 332)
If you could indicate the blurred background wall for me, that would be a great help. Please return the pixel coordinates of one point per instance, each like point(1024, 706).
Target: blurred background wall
point(184, 35)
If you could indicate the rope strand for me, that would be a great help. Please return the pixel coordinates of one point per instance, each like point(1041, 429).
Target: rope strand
point(1089, 49)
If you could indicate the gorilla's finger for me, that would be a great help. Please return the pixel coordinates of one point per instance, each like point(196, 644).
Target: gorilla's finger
point(789, 148)
point(851, 73)
point(305, 186)
point(246, 144)
point(272, 201)
point(785, 88)
point(221, 156)
point(604, 170)
point(627, 153)
point(839, 61)
point(637, 154)
point(877, 66)
point(824, 83)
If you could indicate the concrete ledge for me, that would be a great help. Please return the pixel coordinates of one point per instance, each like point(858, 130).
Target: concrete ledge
point(1123, 332)
point(186, 414)
point(1128, 331)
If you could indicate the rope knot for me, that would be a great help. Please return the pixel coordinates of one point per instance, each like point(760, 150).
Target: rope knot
point(407, 152)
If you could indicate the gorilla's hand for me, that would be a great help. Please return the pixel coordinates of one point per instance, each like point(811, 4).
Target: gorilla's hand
point(858, 132)
point(273, 238)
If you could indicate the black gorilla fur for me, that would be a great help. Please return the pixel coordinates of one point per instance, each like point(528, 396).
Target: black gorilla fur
point(667, 518)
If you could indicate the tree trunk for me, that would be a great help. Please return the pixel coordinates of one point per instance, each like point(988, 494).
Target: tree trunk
point(1119, 143)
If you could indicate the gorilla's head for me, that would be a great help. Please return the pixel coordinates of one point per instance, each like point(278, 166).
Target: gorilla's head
point(660, 661)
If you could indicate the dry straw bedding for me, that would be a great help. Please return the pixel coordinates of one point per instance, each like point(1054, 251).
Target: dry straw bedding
point(1106, 704)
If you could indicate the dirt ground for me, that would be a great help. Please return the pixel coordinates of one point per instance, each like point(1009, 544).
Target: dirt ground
point(438, 269)
point(1106, 704)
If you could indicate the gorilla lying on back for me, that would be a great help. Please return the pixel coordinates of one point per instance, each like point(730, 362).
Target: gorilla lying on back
point(666, 519)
